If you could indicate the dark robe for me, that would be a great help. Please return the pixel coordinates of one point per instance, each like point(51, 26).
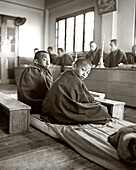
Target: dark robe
point(53, 58)
point(94, 56)
point(64, 60)
point(131, 58)
point(115, 58)
point(124, 140)
point(69, 102)
point(33, 84)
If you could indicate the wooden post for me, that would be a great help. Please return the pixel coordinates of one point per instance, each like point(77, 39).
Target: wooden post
point(101, 64)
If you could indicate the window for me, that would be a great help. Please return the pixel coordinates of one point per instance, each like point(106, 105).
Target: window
point(89, 29)
point(0, 34)
point(69, 34)
point(74, 32)
point(61, 39)
point(79, 33)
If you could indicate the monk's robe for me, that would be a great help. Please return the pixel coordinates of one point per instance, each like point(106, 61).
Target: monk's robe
point(114, 58)
point(53, 58)
point(94, 56)
point(69, 102)
point(64, 60)
point(33, 84)
point(124, 140)
point(131, 58)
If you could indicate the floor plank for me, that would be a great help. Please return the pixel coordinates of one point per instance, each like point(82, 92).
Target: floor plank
point(55, 157)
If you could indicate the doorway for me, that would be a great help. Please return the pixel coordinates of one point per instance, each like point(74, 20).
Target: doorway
point(8, 49)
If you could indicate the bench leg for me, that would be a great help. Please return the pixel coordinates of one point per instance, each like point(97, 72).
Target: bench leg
point(19, 121)
point(117, 111)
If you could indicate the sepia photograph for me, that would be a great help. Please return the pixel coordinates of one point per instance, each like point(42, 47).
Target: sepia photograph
point(67, 85)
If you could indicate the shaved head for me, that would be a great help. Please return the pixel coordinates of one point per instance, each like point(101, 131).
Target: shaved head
point(83, 61)
point(40, 54)
point(82, 68)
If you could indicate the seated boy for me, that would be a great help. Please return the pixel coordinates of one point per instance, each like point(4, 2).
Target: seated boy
point(35, 81)
point(69, 101)
point(63, 59)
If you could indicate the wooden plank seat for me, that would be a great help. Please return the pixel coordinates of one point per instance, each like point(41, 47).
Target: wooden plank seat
point(97, 95)
point(115, 108)
point(19, 113)
point(90, 140)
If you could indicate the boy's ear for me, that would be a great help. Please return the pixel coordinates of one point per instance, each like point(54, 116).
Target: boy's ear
point(35, 61)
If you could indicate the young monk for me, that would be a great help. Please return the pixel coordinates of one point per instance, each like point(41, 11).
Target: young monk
point(69, 101)
point(35, 81)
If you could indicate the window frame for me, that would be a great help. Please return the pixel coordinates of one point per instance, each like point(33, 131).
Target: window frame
point(92, 9)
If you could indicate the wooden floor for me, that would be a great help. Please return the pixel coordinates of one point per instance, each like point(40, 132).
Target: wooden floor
point(38, 151)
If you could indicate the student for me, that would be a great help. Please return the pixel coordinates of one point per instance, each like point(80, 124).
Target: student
point(134, 53)
point(94, 54)
point(132, 56)
point(35, 81)
point(64, 59)
point(116, 56)
point(69, 101)
point(52, 55)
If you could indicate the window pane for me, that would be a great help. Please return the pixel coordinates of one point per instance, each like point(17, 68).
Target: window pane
point(89, 29)
point(10, 42)
point(79, 33)
point(70, 33)
point(10, 23)
point(56, 45)
point(10, 39)
point(61, 41)
point(0, 34)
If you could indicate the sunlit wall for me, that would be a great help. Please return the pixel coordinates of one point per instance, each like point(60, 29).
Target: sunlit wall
point(31, 33)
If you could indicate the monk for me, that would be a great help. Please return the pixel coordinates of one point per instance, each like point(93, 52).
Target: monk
point(63, 59)
point(132, 55)
point(52, 55)
point(69, 101)
point(116, 56)
point(94, 54)
point(35, 81)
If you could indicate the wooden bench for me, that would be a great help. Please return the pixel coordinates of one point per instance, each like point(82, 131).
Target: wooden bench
point(19, 113)
point(97, 95)
point(115, 108)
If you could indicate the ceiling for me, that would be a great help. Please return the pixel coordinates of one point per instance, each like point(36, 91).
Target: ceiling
point(54, 3)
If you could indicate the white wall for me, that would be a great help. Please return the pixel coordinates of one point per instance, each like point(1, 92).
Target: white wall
point(31, 33)
point(109, 28)
point(71, 7)
point(120, 25)
point(126, 21)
